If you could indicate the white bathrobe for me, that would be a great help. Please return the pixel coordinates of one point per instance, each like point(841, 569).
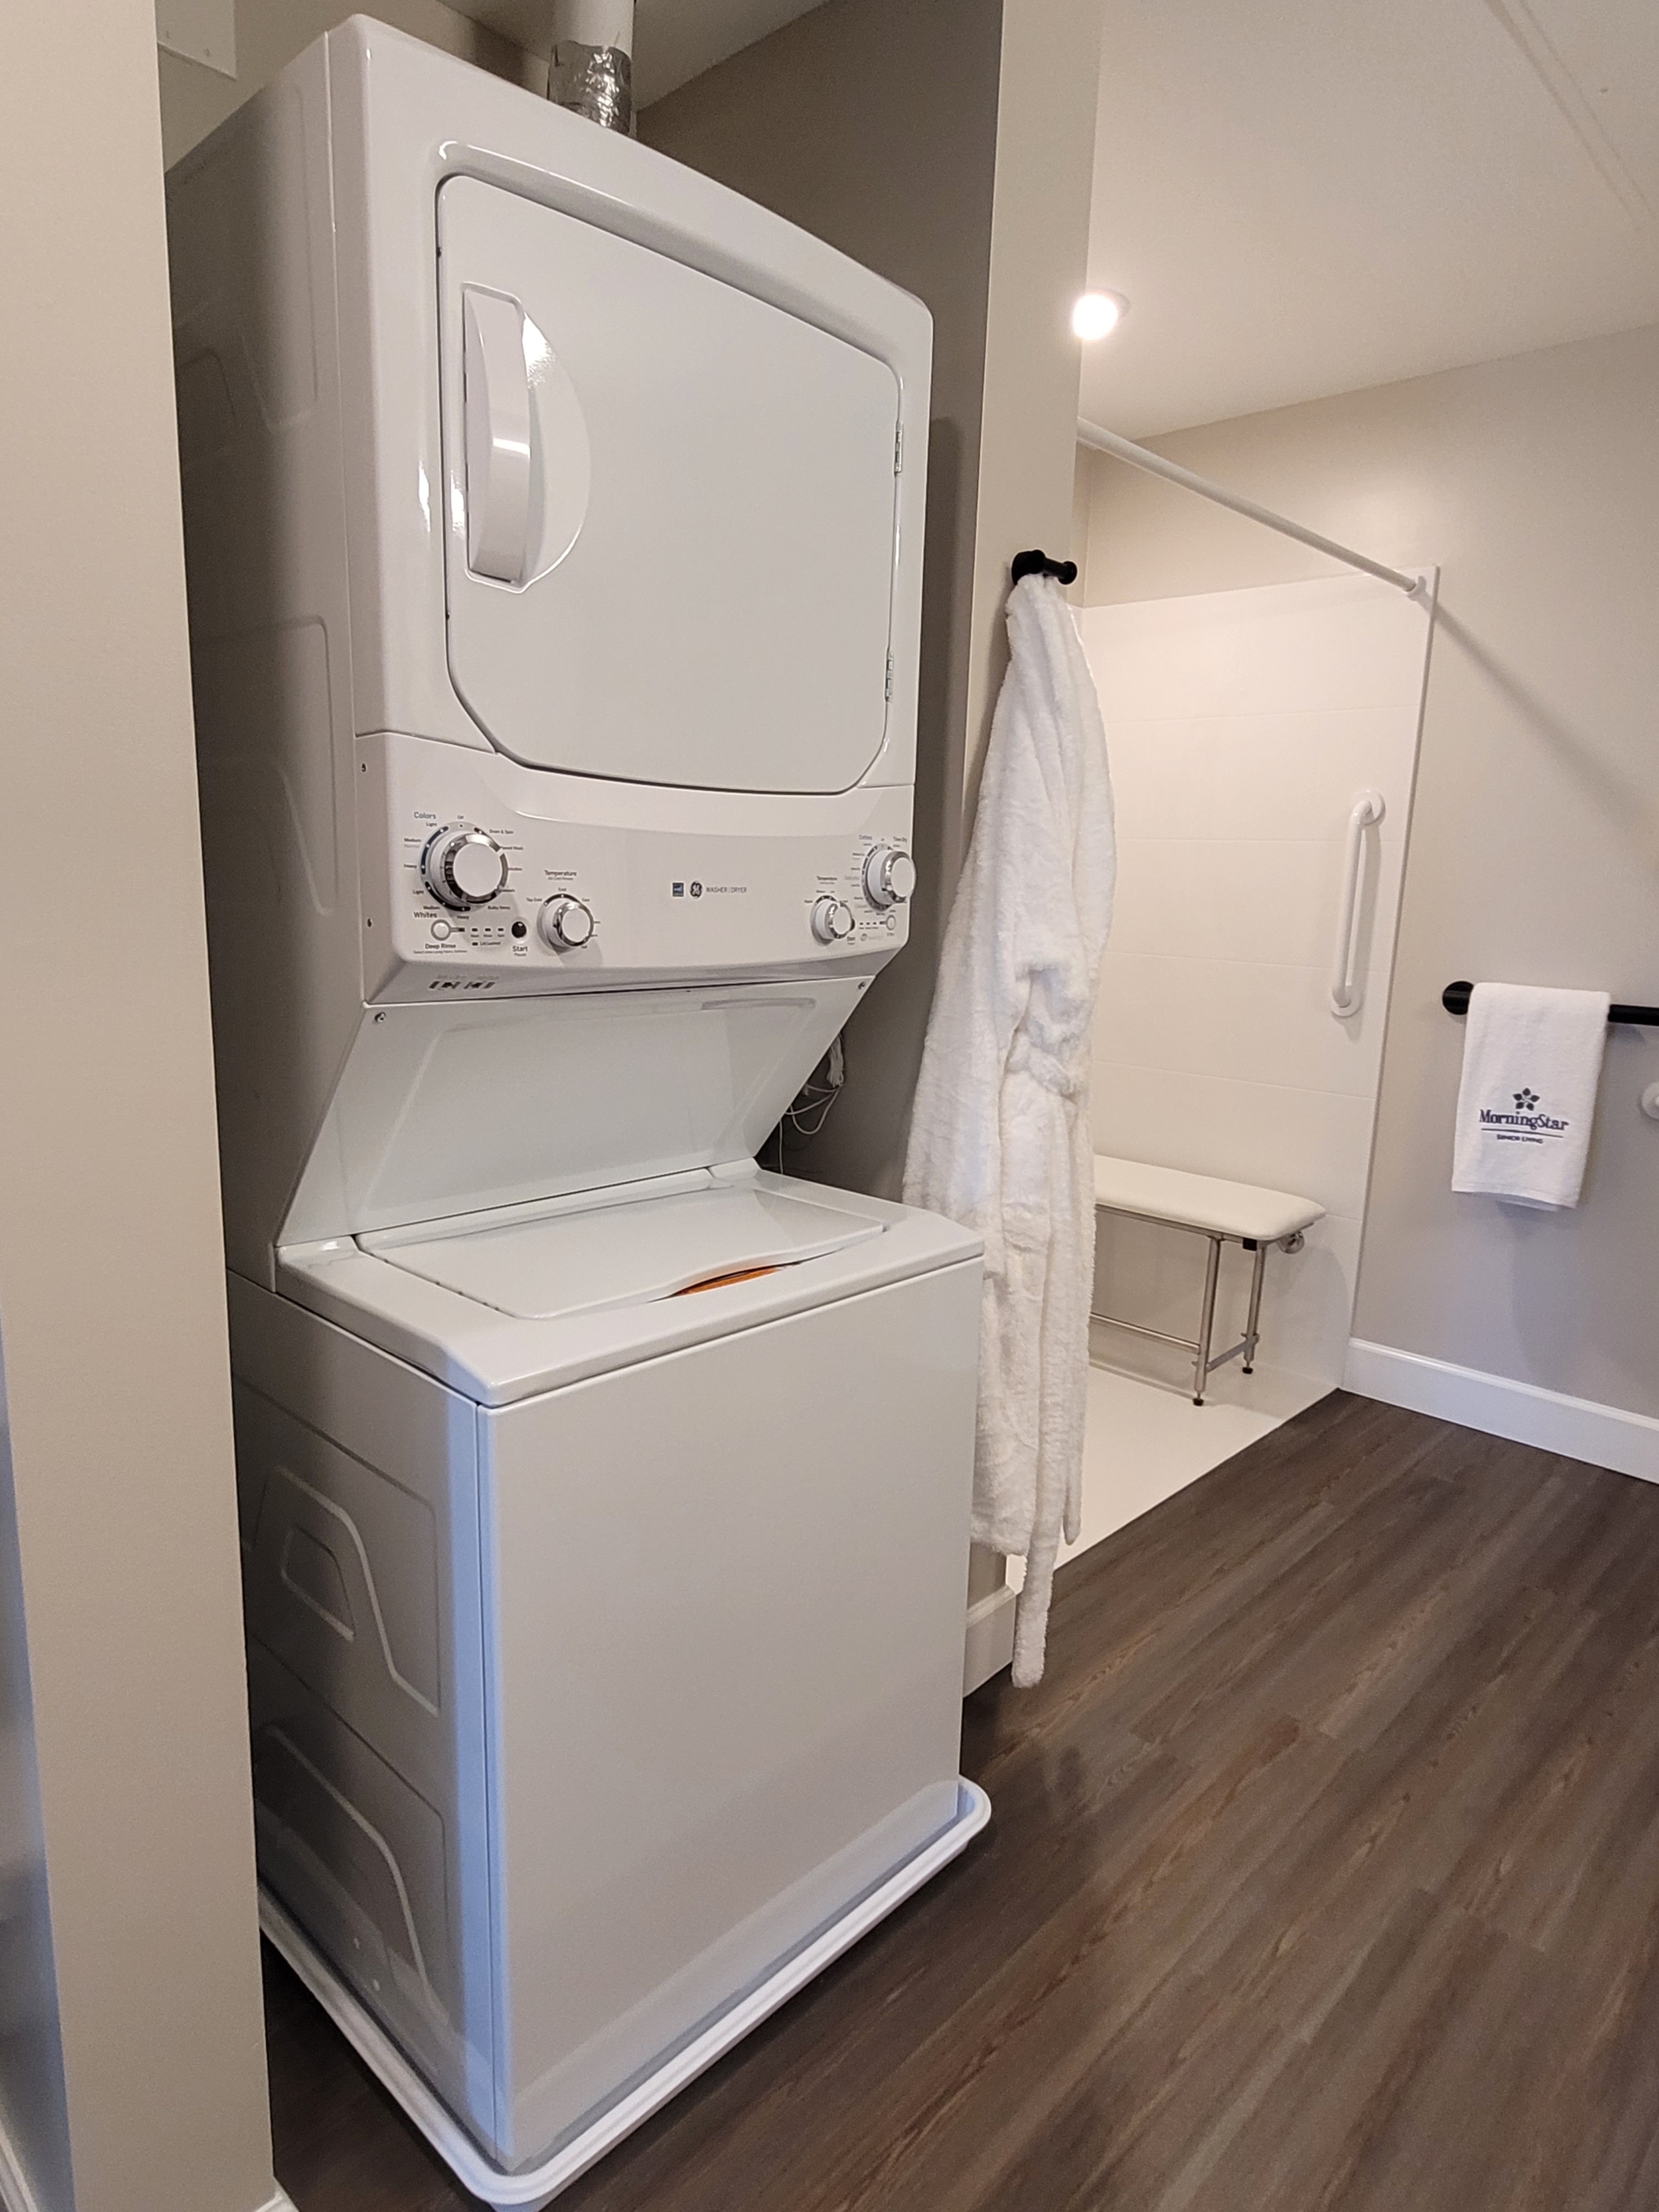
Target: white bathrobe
point(999, 1137)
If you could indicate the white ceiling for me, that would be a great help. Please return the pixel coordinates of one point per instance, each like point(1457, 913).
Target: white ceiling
point(674, 40)
point(1301, 197)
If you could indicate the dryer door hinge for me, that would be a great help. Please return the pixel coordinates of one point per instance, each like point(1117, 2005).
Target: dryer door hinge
point(887, 694)
point(899, 449)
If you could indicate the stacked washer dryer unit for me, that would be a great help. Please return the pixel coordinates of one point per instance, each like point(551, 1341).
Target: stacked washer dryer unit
point(554, 523)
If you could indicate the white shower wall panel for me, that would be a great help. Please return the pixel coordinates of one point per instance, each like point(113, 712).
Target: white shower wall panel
point(1241, 727)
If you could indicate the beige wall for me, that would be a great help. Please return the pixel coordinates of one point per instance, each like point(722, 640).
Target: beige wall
point(269, 33)
point(111, 1299)
point(952, 148)
point(1049, 94)
point(1534, 844)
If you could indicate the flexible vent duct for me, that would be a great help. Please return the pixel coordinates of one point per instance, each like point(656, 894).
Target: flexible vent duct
point(592, 67)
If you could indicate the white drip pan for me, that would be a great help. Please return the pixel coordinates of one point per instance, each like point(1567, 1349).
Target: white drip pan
point(538, 2185)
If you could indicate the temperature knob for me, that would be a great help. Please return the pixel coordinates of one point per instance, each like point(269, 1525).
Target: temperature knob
point(832, 920)
point(464, 868)
point(567, 923)
point(889, 876)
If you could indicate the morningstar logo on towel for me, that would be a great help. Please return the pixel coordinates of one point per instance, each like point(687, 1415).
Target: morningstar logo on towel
point(1526, 1125)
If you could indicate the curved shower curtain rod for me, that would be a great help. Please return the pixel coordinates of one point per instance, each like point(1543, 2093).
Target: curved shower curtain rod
point(1108, 442)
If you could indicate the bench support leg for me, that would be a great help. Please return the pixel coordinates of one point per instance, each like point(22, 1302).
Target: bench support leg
point(1253, 1325)
point(1206, 1322)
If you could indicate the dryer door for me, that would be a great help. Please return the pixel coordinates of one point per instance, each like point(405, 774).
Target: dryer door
point(670, 519)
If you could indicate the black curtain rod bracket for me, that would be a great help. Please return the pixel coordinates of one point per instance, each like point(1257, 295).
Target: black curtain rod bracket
point(1037, 563)
point(1455, 999)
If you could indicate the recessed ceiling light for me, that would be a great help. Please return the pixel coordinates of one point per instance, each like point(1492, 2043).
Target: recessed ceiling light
point(1098, 313)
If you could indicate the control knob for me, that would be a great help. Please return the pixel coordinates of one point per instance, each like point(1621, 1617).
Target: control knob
point(832, 920)
point(567, 923)
point(889, 876)
point(464, 868)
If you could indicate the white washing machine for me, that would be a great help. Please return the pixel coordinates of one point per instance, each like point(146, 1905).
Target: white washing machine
point(554, 527)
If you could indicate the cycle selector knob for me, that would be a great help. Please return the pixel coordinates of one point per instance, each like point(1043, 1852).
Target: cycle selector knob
point(567, 923)
point(832, 920)
point(889, 876)
point(464, 868)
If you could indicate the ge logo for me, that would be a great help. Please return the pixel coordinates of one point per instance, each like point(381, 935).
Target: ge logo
point(696, 891)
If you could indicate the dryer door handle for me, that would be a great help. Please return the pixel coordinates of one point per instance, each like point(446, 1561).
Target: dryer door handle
point(496, 385)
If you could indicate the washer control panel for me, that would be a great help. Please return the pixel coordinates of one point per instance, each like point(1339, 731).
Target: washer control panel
point(833, 920)
point(480, 875)
point(566, 924)
point(463, 867)
point(889, 876)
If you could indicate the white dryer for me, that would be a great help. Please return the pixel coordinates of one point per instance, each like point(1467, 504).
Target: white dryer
point(554, 525)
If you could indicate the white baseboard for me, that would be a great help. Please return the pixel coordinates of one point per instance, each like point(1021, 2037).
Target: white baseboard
point(281, 2203)
point(1578, 1428)
point(989, 1646)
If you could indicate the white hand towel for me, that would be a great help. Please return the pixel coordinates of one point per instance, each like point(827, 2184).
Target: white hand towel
point(1000, 1136)
point(1531, 1062)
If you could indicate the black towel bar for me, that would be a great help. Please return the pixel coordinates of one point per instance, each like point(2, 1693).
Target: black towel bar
point(1037, 563)
point(1455, 999)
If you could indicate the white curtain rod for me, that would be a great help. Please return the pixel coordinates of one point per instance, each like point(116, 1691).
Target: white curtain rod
point(1090, 434)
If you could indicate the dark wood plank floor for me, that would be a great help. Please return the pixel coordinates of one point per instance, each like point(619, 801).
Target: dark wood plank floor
point(1324, 1873)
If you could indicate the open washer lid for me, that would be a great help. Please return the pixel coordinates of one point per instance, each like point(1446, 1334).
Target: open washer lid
point(629, 1252)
